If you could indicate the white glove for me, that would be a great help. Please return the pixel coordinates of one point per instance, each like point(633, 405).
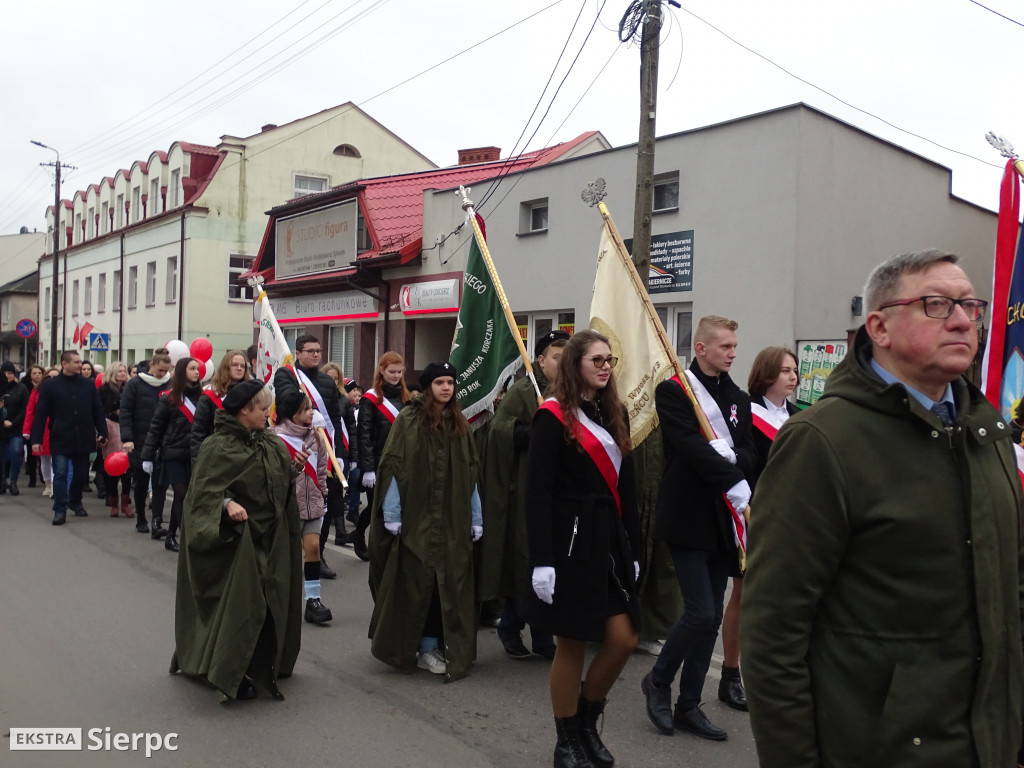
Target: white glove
point(477, 531)
point(636, 570)
point(739, 495)
point(724, 450)
point(318, 420)
point(544, 583)
point(352, 465)
point(147, 467)
point(369, 479)
point(394, 528)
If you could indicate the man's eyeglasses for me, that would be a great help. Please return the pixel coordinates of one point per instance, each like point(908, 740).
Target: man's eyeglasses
point(941, 307)
point(309, 351)
point(599, 361)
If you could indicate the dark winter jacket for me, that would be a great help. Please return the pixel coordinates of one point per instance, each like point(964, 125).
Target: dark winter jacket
point(881, 609)
point(763, 443)
point(374, 427)
point(72, 405)
point(138, 404)
point(691, 510)
point(170, 431)
point(286, 385)
point(110, 399)
point(15, 402)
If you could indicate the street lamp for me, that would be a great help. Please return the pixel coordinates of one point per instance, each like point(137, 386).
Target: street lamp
point(56, 252)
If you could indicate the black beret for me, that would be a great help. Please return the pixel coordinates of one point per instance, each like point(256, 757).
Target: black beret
point(288, 404)
point(545, 341)
point(434, 370)
point(7, 367)
point(241, 394)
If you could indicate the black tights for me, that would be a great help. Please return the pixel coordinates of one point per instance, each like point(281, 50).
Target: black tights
point(180, 489)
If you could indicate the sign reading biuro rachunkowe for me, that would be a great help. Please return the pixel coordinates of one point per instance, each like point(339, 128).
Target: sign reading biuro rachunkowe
point(671, 262)
point(318, 241)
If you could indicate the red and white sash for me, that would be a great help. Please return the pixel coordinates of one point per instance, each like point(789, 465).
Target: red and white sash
point(186, 406)
point(294, 446)
point(766, 422)
point(598, 444)
point(216, 399)
point(383, 404)
point(318, 403)
point(721, 431)
point(1019, 453)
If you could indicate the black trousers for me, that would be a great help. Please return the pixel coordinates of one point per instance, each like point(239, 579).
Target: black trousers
point(140, 479)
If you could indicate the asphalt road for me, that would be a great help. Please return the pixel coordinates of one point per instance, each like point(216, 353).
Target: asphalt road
point(86, 635)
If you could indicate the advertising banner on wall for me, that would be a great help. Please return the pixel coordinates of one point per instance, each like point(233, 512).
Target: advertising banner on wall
point(429, 297)
point(318, 241)
point(324, 307)
point(671, 261)
point(816, 360)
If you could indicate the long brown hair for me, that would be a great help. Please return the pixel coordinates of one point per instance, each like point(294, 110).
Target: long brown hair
point(221, 381)
point(432, 413)
point(389, 358)
point(179, 382)
point(568, 391)
point(341, 376)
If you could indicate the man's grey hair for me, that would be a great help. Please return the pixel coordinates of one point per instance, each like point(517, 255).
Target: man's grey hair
point(883, 283)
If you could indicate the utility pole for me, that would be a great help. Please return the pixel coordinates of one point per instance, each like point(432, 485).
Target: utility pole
point(54, 350)
point(650, 41)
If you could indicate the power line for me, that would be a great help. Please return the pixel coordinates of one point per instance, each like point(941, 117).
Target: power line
point(997, 13)
point(833, 96)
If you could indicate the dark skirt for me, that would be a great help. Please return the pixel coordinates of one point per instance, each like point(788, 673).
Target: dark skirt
point(173, 472)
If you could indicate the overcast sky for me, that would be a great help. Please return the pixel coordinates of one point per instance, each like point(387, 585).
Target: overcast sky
point(106, 83)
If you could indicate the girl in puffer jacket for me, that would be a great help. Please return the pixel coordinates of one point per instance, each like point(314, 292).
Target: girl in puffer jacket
point(296, 425)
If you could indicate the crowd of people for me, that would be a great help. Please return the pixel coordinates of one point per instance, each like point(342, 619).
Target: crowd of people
point(878, 586)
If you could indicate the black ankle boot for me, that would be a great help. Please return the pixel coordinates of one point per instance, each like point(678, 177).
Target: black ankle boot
point(569, 752)
point(589, 712)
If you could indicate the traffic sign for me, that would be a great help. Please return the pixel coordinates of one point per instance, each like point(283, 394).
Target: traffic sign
point(99, 342)
point(26, 328)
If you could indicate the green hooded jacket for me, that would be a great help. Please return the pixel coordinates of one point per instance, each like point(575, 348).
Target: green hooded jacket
point(435, 473)
point(238, 606)
point(882, 600)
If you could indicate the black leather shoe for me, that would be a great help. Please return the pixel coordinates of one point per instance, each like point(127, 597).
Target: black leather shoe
point(696, 722)
point(589, 713)
point(14, 489)
point(32, 481)
point(157, 531)
point(659, 704)
point(317, 612)
point(326, 572)
point(59, 518)
point(141, 527)
point(359, 547)
point(514, 647)
point(171, 542)
point(79, 511)
point(545, 651)
point(246, 690)
point(730, 690)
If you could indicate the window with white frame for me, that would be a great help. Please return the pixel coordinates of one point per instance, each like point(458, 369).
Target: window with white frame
point(60, 301)
point(74, 298)
point(5, 314)
point(237, 266)
point(101, 293)
point(133, 286)
point(307, 185)
point(341, 347)
point(171, 294)
point(105, 217)
point(175, 181)
point(533, 216)
point(115, 296)
point(678, 322)
point(136, 204)
point(154, 198)
point(119, 213)
point(150, 283)
point(666, 192)
point(47, 309)
point(90, 223)
point(87, 299)
point(79, 235)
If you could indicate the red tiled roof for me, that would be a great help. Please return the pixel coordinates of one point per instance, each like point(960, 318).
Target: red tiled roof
point(198, 149)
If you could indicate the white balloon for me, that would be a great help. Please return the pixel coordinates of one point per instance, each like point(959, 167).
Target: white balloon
point(209, 370)
point(177, 349)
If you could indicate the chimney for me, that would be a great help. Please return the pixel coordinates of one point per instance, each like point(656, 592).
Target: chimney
point(267, 127)
point(479, 155)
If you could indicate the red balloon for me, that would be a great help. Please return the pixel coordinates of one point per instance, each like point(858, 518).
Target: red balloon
point(116, 464)
point(201, 349)
point(202, 369)
point(99, 381)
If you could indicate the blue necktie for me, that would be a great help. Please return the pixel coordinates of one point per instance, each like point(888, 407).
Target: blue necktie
point(944, 411)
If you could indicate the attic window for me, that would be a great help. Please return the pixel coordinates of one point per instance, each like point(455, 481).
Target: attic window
point(346, 150)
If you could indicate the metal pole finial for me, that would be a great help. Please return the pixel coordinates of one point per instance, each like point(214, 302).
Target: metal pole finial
point(594, 192)
point(256, 281)
point(1004, 147)
point(464, 194)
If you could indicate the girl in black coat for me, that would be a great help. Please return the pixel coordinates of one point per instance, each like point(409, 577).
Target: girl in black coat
point(169, 436)
point(584, 535)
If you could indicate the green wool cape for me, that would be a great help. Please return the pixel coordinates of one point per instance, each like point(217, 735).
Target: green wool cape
point(435, 473)
point(504, 554)
point(238, 606)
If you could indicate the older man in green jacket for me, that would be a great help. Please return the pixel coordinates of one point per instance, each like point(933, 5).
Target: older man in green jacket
point(882, 600)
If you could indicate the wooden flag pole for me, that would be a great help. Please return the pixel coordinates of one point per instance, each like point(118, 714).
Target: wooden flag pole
point(467, 206)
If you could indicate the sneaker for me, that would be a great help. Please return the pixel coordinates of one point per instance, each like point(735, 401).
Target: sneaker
point(432, 661)
point(650, 647)
point(48, 490)
point(317, 612)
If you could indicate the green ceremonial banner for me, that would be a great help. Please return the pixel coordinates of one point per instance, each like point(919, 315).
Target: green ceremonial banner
point(484, 351)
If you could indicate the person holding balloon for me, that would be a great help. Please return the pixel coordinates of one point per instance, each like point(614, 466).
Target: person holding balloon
point(110, 398)
point(138, 403)
point(168, 440)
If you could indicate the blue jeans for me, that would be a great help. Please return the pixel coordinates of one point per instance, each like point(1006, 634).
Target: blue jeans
point(703, 577)
point(13, 453)
point(67, 494)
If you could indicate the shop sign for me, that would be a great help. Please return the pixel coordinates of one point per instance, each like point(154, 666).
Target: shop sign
point(324, 307)
point(318, 241)
point(671, 267)
point(428, 297)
